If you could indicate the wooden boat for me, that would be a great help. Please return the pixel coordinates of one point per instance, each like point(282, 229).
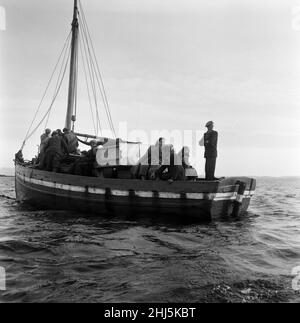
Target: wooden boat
point(94, 195)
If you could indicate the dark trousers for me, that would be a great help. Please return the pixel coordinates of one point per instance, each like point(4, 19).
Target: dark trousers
point(51, 161)
point(210, 166)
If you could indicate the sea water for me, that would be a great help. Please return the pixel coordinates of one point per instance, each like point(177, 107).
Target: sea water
point(62, 256)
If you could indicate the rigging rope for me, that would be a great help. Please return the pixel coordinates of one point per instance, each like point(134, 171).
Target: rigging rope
point(99, 78)
point(45, 92)
point(92, 80)
point(94, 74)
point(64, 62)
point(87, 85)
point(76, 86)
point(51, 105)
point(92, 70)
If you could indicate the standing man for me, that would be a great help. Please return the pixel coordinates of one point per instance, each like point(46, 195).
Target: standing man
point(44, 139)
point(71, 141)
point(210, 144)
point(54, 151)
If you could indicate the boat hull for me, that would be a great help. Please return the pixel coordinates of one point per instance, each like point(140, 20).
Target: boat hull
point(202, 199)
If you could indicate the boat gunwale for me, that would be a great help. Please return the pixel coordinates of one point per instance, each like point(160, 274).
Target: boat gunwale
point(94, 196)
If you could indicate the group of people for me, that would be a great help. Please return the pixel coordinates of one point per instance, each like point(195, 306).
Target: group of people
point(175, 167)
point(54, 146)
point(160, 161)
point(59, 151)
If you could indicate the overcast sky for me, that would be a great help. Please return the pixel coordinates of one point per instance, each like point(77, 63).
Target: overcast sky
point(171, 64)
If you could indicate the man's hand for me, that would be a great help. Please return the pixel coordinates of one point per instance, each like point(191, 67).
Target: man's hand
point(201, 142)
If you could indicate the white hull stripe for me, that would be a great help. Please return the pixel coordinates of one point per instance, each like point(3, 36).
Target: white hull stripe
point(143, 194)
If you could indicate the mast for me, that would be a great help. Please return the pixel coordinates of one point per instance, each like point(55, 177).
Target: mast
point(73, 69)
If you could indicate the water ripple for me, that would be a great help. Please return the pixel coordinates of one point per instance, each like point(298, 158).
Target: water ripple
point(64, 256)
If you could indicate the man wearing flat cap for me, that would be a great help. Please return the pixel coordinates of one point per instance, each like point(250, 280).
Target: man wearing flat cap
point(44, 139)
point(210, 144)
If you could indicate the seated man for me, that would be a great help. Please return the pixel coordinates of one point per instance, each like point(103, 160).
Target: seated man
point(19, 157)
point(184, 154)
point(151, 161)
point(85, 165)
point(171, 170)
point(190, 171)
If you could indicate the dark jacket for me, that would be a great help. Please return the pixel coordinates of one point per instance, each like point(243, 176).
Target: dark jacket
point(210, 144)
point(71, 141)
point(56, 144)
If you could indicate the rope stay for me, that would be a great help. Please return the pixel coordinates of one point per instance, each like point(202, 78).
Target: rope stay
point(93, 75)
point(64, 62)
point(95, 64)
point(93, 78)
point(52, 102)
point(76, 87)
point(87, 86)
point(65, 46)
